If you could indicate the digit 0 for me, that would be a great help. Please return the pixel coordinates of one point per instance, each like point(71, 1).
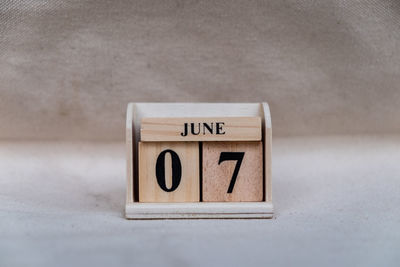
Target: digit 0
point(176, 170)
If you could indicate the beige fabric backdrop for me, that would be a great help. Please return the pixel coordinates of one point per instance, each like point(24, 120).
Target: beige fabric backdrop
point(68, 68)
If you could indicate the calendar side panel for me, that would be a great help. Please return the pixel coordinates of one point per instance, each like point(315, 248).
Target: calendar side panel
point(267, 139)
point(129, 154)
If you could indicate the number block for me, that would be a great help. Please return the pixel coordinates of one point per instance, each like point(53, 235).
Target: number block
point(232, 171)
point(169, 172)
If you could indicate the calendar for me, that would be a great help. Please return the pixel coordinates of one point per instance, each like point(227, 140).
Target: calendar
point(198, 160)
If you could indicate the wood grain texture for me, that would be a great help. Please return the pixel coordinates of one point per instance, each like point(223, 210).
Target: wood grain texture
point(189, 186)
point(217, 177)
point(205, 129)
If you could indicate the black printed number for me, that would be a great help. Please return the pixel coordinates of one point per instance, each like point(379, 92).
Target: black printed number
point(176, 170)
point(238, 156)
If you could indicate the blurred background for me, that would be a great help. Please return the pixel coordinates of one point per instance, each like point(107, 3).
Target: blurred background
point(69, 68)
point(328, 69)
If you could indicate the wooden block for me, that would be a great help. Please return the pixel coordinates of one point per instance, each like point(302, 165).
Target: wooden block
point(201, 129)
point(222, 161)
point(169, 172)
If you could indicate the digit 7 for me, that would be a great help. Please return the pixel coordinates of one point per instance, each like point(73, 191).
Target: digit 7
point(238, 156)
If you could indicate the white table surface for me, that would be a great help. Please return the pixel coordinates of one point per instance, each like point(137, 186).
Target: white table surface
point(337, 202)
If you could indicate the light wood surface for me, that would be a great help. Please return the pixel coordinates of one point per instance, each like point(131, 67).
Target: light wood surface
point(188, 189)
point(217, 175)
point(201, 129)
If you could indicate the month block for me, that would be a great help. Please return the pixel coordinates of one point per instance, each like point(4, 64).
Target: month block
point(232, 171)
point(169, 172)
point(201, 129)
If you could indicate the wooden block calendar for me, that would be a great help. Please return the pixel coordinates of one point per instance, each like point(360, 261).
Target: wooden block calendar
point(198, 160)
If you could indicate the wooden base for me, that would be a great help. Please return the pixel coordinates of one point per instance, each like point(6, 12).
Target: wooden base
point(211, 210)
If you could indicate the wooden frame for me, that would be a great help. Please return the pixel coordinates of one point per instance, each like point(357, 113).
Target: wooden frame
point(200, 210)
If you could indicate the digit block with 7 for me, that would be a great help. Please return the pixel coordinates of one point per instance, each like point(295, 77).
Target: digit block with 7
point(232, 171)
point(169, 172)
